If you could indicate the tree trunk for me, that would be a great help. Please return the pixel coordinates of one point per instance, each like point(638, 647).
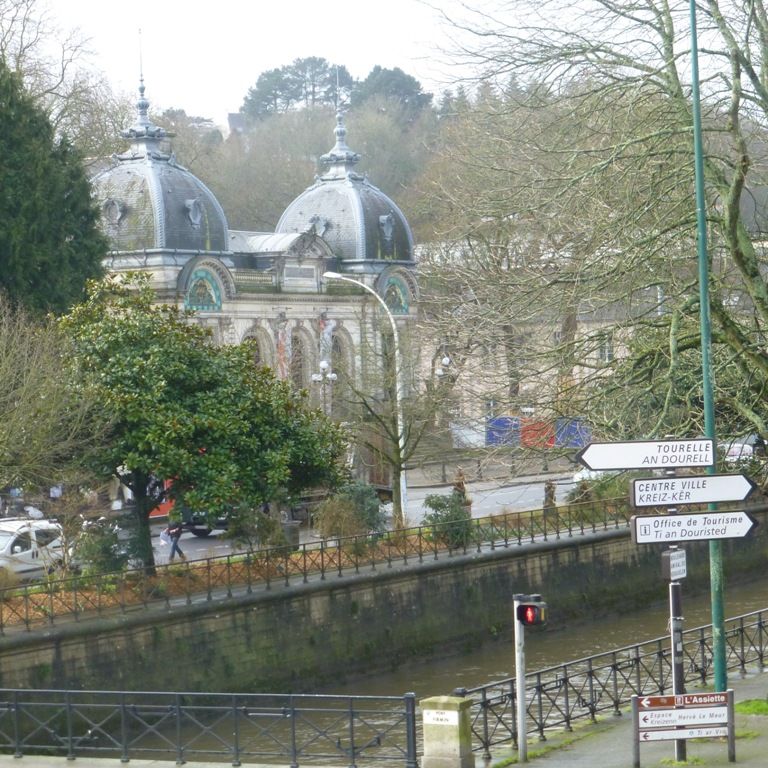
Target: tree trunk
point(143, 505)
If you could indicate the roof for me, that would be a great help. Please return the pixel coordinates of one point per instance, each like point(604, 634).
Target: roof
point(149, 201)
point(261, 242)
point(357, 220)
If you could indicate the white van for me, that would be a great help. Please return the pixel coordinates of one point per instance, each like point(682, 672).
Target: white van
point(28, 549)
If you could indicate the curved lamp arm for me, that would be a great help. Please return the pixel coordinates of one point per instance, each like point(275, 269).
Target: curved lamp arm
point(399, 389)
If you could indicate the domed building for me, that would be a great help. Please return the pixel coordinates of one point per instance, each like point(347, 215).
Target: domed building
point(150, 204)
point(365, 229)
point(267, 286)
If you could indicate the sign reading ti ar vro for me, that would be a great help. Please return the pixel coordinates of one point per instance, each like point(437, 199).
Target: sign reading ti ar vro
point(648, 454)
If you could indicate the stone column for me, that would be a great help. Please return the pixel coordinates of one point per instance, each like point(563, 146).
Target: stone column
point(447, 732)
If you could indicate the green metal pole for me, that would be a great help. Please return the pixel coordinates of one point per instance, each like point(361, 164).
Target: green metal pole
point(715, 549)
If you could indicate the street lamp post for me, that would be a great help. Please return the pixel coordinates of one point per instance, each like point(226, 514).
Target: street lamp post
point(715, 549)
point(325, 378)
point(399, 515)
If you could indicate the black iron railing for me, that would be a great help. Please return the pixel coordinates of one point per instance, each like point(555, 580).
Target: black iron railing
point(284, 729)
point(40, 604)
point(324, 729)
point(557, 696)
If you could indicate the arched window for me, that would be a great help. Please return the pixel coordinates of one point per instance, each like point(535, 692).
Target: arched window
point(396, 296)
point(204, 293)
point(341, 399)
point(298, 368)
point(255, 345)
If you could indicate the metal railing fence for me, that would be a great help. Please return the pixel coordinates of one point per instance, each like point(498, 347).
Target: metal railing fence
point(236, 728)
point(557, 696)
point(43, 603)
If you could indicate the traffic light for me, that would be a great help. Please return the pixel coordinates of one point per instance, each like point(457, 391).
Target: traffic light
point(532, 614)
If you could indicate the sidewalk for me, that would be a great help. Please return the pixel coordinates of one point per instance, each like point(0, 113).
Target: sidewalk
point(495, 474)
point(609, 742)
point(605, 744)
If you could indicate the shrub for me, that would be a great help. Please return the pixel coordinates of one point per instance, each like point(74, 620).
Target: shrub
point(609, 487)
point(99, 548)
point(8, 579)
point(353, 511)
point(450, 519)
point(250, 528)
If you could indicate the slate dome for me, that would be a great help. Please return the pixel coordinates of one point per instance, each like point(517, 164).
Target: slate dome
point(358, 221)
point(148, 201)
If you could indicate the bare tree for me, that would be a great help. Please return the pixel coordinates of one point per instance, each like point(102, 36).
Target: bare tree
point(47, 425)
point(365, 398)
point(568, 210)
point(54, 65)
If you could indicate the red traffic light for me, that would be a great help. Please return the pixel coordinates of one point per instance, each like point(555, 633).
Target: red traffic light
point(532, 614)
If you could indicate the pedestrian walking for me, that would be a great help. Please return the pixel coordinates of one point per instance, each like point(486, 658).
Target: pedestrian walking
point(174, 531)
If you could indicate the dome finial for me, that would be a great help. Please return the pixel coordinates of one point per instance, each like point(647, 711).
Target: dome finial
point(143, 130)
point(341, 158)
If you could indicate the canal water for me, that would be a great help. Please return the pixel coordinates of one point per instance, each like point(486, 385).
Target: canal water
point(555, 645)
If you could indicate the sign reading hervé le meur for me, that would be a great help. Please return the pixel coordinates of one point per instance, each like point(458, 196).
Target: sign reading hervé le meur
point(648, 454)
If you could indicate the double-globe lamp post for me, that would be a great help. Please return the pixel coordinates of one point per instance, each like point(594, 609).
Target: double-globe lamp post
point(399, 515)
point(325, 378)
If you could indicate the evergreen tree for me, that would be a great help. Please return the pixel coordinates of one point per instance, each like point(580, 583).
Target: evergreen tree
point(392, 84)
point(49, 241)
point(305, 83)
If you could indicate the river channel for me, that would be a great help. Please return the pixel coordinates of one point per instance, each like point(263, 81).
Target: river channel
point(554, 645)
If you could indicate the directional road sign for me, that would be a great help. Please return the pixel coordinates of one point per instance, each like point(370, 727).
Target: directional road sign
point(665, 718)
point(702, 489)
point(675, 734)
point(683, 700)
point(648, 454)
point(665, 529)
point(683, 716)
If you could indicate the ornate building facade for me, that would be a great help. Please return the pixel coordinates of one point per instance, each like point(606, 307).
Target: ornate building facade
point(266, 286)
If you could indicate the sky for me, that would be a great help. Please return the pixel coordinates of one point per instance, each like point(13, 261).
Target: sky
point(203, 57)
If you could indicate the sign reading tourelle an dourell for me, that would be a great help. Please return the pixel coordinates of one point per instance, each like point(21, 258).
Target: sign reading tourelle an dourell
point(648, 454)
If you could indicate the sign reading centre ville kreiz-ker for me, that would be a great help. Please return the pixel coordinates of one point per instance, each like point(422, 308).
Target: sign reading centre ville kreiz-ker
point(698, 489)
point(649, 454)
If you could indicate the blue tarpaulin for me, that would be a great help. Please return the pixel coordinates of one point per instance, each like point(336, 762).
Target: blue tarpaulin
point(572, 433)
point(502, 430)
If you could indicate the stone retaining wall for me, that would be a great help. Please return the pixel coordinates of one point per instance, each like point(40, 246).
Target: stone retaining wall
point(300, 637)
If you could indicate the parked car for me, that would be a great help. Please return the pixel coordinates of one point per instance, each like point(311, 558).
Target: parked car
point(201, 526)
point(28, 549)
point(743, 449)
point(589, 474)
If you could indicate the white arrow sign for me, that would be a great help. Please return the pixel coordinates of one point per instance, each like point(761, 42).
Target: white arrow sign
point(684, 700)
point(648, 454)
point(684, 733)
point(665, 529)
point(655, 718)
point(704, 489)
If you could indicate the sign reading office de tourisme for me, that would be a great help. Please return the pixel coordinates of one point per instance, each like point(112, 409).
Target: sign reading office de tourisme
point(648, 454)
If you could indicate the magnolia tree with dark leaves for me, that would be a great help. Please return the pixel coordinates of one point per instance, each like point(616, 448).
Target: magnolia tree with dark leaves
point(224, 431)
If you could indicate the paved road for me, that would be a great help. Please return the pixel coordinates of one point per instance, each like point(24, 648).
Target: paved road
point(489, 497)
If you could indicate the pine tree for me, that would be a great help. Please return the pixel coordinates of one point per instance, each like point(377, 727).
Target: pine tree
point(50, 244)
